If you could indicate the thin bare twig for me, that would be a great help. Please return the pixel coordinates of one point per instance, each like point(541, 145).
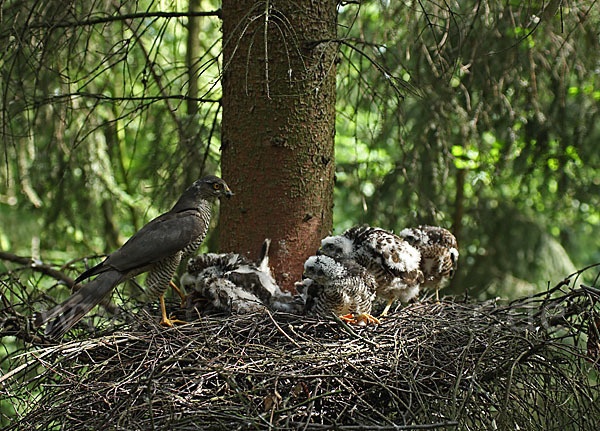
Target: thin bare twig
point(38, 266)
point(436, 366)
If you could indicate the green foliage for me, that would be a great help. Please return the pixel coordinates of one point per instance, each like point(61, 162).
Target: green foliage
point(478, 116)
point(95, 134)
point(495, 136)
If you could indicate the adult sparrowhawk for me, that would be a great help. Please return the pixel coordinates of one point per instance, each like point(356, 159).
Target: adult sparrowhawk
point(158, 248)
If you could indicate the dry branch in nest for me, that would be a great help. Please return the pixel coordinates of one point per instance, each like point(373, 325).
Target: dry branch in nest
point(458, 364)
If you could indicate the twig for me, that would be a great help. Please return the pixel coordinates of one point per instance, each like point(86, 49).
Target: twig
point(281, 330)
point(120, 17)
point(349, 330)
point(436, 366)
point(37, 265)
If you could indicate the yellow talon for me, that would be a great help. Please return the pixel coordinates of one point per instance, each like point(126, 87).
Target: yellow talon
point(165, 321)
point(361, 319)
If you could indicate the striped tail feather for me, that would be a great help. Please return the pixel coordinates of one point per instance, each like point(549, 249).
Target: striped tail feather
point(89, 273)
point(71, 311)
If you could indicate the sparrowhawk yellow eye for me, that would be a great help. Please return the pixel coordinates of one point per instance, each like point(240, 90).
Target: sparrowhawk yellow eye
point(216, 186)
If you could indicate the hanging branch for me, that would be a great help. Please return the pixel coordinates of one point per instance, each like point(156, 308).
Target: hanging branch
point(116, 18)
point(37, 265)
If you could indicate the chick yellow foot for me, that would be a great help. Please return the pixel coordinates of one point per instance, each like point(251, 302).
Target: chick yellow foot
point(349, 318)
point(386, 309)
point(366, 319)
point(170, 322)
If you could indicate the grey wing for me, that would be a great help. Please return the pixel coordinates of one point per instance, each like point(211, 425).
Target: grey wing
point(162, 237)
point(223, 262)
point(224, 294)
point(311, 293)
point(197, 264)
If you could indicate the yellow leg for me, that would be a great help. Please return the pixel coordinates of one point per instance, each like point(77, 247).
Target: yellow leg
point(165, 321)
point(180, 293)
point(365, 319)
point(386, 309)
point(348, 318)
point(437, 295)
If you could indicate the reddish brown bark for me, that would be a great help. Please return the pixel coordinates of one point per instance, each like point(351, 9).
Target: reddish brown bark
point(278, 129)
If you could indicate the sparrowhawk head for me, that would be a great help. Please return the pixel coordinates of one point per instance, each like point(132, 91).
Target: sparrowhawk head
point(210, 187)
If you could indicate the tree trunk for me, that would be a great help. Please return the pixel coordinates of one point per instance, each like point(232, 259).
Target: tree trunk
point(278, 129)
point(191, 57)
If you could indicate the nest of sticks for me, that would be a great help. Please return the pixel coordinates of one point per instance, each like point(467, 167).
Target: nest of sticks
point(529, 364)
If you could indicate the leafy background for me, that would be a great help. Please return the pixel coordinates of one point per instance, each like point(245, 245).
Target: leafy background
point(480, 116)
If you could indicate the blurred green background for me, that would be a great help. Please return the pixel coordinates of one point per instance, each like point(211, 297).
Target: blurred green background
point(481, 117)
